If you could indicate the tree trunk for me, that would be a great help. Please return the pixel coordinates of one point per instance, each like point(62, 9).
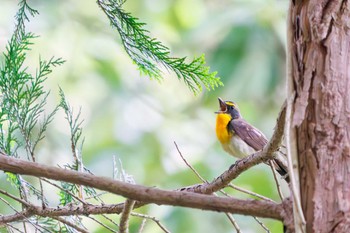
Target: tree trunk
point(320, 66)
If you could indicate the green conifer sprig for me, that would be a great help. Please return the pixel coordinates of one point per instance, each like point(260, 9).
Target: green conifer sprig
point(75, 125)
point(22, 96)
point(148, 53)
point(22, 119)
point(22, 16)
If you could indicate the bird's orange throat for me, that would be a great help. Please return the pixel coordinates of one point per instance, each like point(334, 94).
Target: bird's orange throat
point(222, 133)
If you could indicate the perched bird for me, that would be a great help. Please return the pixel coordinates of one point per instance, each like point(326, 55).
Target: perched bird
point(238, 137)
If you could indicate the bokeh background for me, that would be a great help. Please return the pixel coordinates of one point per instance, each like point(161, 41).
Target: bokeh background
point(137, 120)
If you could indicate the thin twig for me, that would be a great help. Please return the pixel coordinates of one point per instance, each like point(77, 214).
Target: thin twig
point(15, 228)
point(64, 190)
point(230, 217)
point(17, 212)
point(276, 180)
point(23, 194)
point(143, 224)
point(97, 196)
point(124, 218)
point(262, 225)
point(9, 205)
point(151, 218)
point(243, 190)
point(70, 224)
point(109, 219)
point(42, 193)
point(30, 151)
point(102, 224)
point(15, 198)
point(233, 222)
point(189, 165)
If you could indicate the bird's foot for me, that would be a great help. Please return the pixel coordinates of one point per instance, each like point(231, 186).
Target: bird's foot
point(233, 165)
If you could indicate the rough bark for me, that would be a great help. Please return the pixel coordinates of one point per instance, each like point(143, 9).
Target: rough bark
point(320, 59)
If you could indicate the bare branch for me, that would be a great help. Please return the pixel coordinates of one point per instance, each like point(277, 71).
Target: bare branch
point(20, 214)
point(9, 226)
point(273, 169)
point(102, 224)
point(62, 211)
point(151, 218)
point(250, 193)
point(64, 190)
point(72, 225)
point(230, 217)
point(109, 219)
point(233, 222)
point(189, 165)
point(124, 218)
point(262, 225)
point(24, 203)
point(145, 194)
point(143, 223)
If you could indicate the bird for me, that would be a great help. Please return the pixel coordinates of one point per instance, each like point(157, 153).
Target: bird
point(239, 138)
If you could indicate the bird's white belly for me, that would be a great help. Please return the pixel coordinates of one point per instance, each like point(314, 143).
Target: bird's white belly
point(238, 148)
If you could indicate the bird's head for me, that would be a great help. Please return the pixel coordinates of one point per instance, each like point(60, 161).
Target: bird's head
point(228, 107)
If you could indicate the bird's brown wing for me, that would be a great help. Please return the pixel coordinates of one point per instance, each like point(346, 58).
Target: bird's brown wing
point(249, 134)
point(257, 140)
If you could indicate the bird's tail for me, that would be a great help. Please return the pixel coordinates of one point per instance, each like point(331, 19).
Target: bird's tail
point(280, 164)
point(281, 167)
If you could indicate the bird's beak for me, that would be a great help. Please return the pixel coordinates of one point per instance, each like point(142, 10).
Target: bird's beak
point(223, 106)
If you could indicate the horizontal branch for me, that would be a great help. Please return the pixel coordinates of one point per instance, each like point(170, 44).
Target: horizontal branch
point(145, 195)
point(142, 193)
point(69, 210)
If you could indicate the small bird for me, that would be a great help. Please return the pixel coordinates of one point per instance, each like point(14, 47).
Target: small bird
point(238, 137)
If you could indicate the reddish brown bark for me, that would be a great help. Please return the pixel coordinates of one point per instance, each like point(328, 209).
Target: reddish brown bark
point(320, 59)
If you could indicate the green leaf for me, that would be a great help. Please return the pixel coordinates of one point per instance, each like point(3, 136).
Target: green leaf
point(149, 54)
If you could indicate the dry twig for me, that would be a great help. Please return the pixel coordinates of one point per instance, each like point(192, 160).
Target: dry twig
point(143, 223)
point(230, 217)
point(262, 225)
point(250, 193)
point(102, 224)
point(151, 218)
point(276, 180)
point(70, 224)
point(124, 218)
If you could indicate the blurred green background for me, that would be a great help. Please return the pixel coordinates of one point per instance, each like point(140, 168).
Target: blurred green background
point(137, 120)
